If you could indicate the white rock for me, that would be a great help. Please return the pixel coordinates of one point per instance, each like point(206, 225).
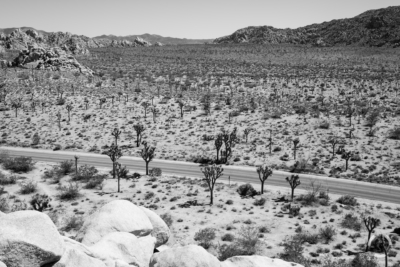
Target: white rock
point(188, 256)
point(122, 246)
point(257, 261)
point(115, 216)
point(160, 229)
point(29, 238)
point(2, 264)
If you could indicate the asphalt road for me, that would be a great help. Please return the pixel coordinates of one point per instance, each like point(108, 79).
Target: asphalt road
point(237, 173)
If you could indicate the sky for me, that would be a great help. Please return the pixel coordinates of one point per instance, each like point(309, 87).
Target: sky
point(201, 19)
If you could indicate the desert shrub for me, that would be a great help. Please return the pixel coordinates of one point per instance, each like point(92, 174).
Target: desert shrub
point(264, 229)
point(85, 173)
point(294, 210)
point(364, 260)
point(259, 202)
point(73, 222)
point(27, 187)
point(227, 251)
point(155, 172)
point(324, 124)
point(54, 173)
point(204, 237)
point(351, 221)
point(327, 233)
point(228, 237)
point(18, 164)
point(136, 175)
point(66, 166)
point(394, 134)
point(334, 208)
point(310, 238)
point(40, 202)
point(4, 156)
point(293, 252)
point(246, 190)
point(35, 139)
point(167, 219)
point(96, 182)
point(4, 204)
point(69, 192)
point(347, 200)
point(329, 262)
point(229, 202)
point(7, 179)
point(148, 195)
point(247, 240)
point(18, 206)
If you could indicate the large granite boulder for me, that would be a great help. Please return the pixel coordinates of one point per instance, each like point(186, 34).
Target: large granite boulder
point(125, 247)
point(160, 229)
point(188, 256)
point(115, 216)
point(257, 261)
point(29, 239)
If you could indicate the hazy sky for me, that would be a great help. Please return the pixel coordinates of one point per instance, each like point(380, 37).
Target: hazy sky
point(201, 19)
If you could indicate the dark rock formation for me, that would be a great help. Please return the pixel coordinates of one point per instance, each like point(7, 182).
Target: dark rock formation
point(375, 28)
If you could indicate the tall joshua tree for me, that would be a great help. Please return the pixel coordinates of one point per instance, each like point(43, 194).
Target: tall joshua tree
point(296, 146)
point(145, 105)
point(230, 140)
point(69, 107)
point(333, 141)
point(211, 175)
point(147, 153)
point(370, 223)
point(116, 133)
point(247, 131)
point(294, 181)
point(263, 173)
point(139, 128)
point(181, 106)
point(16, 104)
point(76, 165)
point(114, 152)
point(347, 156)
point(58, 115)
point(218, 142)
point(270, 142)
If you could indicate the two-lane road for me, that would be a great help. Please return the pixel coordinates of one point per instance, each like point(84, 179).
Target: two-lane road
point(236, 173)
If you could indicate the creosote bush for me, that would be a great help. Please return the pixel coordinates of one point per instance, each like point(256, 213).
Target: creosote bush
point(18, 164)
point(246, 190)
point(205, 237)
point(69, 192)
point(27, 187)
point(351, 221)
point(347, 200)
point(7, 179)
point(327, 233)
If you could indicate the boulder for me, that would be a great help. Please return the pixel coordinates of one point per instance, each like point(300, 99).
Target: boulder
point(160, 229)
point(158, 44)
point(125, 247)
point(188, 256)
point(30, 239)
point(77, 254)
point(115, 216)
point(2, 264)
point(257, 261)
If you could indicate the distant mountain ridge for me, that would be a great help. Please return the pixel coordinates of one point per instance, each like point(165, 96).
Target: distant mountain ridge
point(377, 28)
point(153, 38)
point(25, 37)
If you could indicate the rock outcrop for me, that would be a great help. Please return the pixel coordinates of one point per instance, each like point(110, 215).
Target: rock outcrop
point(160, 229)
point(55, 59)
point(115, 216)
point(75, 44)
point(29, 238)
point(372, 28)
point(158, 44)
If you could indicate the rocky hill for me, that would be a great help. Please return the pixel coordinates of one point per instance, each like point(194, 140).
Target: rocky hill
point(153, 38)
point(21, 38)
point(377, 28)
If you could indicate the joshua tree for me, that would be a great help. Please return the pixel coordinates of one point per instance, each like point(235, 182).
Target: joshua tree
point(69, 107)
point(294, 181)
point(118, 169)
point(370, 223)
point(218, 142)
point(384, 243)
point(76, 165)
point(296, 142)
point(181, 106)
point(270, 142)
point(114, 152)
point(58, 115)
point(211, 175)
point(139, 128)
point(230, 139)
point(116, 133)
point(155, 111)
point(147, 154)
point(371, 120)
point(16, 104)
point(247, 132)
point(86, 103)
point(347, 156)
point(333, 141)
point(102, 101)
point(263, 173)
point(145, 105)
